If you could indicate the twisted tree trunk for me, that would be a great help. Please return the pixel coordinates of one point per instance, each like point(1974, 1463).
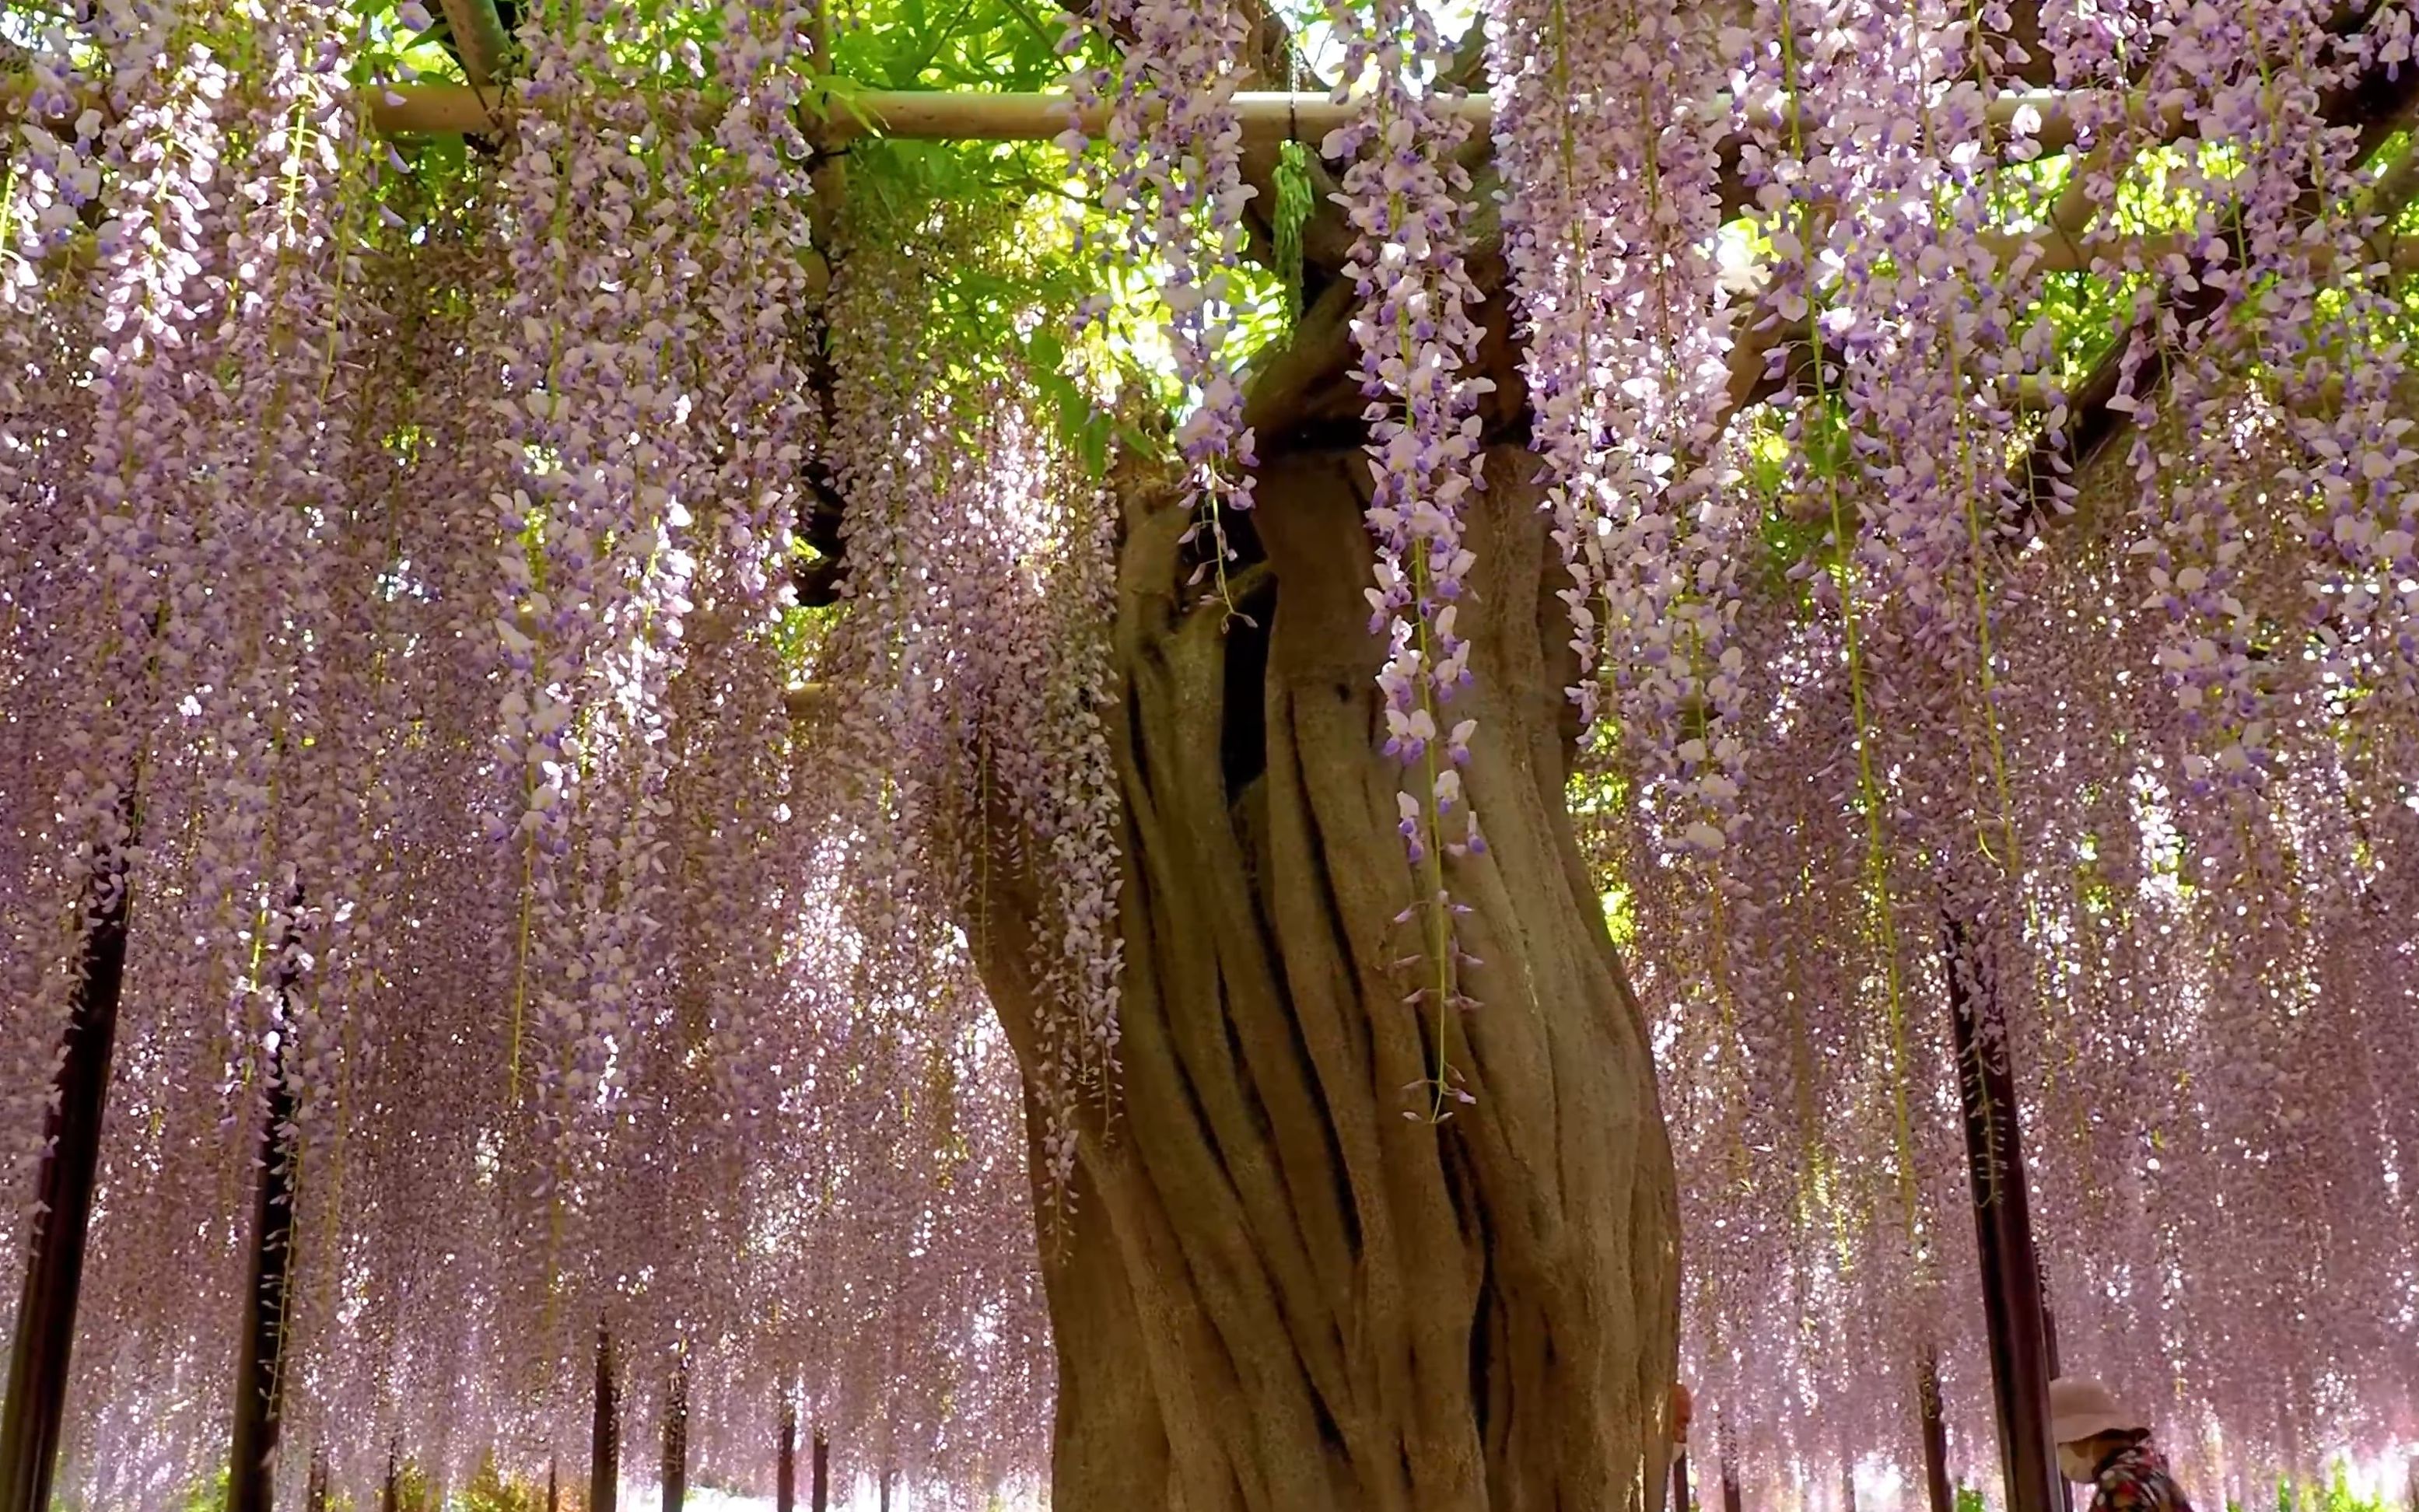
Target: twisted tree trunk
point(1277, 1290)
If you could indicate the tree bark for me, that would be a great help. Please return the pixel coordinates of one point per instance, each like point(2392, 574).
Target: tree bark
point(260, 1358)
point(44, 1341)
point(605, 1433)
point(1276, 1290)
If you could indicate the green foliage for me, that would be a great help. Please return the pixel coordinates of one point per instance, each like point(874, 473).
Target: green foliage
point(1621, 916)
point(948, 45)
point(490, 1492)
point(1293, 207)
point(211, 1495)
point(2335, 1496)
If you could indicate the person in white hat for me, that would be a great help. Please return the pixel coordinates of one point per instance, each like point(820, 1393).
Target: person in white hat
point(2102, 1444)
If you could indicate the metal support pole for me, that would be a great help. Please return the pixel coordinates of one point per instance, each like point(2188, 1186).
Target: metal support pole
point(676, 1432)
point(605, 1433)
point(2012, 1299)
point(55, 1239)
point(2049, 1347)
point(260, 1354)
point(1683, 1409)
point(785, 1479)
point(1936, 1434)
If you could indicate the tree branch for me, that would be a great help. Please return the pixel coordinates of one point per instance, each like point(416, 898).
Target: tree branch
point(2379, 105)
point(479, 41)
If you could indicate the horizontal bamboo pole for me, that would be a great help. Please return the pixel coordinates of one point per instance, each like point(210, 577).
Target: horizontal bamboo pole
point(430, 109)
point(965, 116)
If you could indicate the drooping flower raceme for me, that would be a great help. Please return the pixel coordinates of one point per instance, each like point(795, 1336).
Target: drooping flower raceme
point(1414, 338)
point(1173, 170)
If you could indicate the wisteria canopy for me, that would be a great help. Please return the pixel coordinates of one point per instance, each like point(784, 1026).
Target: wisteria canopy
point(1219, 796)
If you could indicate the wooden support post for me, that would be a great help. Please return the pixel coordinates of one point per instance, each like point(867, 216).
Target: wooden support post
point(785, 1476)
point(605, 1433)
point(2012, 1297)
point(822, 1488)
point(1730, 1499)
point(260, 1353)
point(391, 1498)
point(885, 1492)
point(676, 1432)
point(55, 1238)
point(1935, 1433)
point(315, 1491)
point(553, 1485)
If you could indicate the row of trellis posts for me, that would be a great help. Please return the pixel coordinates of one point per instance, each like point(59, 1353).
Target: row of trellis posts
point(2018, 1325)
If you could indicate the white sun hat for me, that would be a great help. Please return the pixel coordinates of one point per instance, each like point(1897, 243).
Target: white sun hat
point(2081, 1409)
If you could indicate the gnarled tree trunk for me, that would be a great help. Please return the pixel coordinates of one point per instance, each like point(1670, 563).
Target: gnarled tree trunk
point(1277, 1290)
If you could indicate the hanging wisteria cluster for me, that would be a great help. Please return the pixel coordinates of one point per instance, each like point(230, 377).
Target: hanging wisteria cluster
point(398, 646)
point(1413, 337)
point(1174, 168)
point(399, 642)
point(2128, 747)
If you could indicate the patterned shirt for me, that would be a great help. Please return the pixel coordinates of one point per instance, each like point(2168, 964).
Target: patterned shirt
point(2136, 1479)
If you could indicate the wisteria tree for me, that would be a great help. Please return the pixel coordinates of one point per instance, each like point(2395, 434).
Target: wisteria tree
point(962, 728)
